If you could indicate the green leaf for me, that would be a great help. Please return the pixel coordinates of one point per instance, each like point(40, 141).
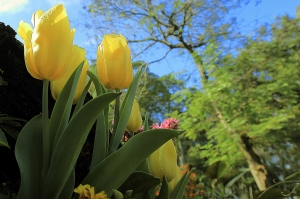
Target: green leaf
point(80, 102)
point(125, 112)
point(68, 189)
point(139, 182)
point(70, 143)
point(115, 169)
point(3, 141)
point(29, 155)
point(101, 135)
point(180, 187)
point(164, 190)
point(10, 130)
point(146, 124)
point(68, 107)
point(143, 166)
point(98, 86)
point(62, 108)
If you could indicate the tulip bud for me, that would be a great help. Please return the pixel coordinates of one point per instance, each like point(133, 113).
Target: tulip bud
point(163, 161)
point(135, 119)
point(48, 45)
point(174, 182)
point(114, 62)
point(78, 55)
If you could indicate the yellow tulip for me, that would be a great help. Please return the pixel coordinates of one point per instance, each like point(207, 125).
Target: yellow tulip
point(48, 45)
point(78, 55)
point(174, 182)
point(135, 119)
point(114, 65)
point(163, 161)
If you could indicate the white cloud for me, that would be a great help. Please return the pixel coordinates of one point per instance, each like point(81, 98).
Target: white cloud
point(12, 6)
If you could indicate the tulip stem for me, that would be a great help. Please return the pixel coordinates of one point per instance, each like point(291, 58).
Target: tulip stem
point(117, 113)
point(45, 118)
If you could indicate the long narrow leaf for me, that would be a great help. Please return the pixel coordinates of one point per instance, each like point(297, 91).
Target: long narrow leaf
point(125, 113)
point(67, 111)
point(180, 186)
point(164, 191)
point(233, 180)
point(29, 155)
point(82, 97)
point(68, 189)
point(70, 143)
point(59, 108)
point(101, 134)
point(115, 169)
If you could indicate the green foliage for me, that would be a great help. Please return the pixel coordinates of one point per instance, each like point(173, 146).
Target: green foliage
point(109, 171)
point(9, 126)
point(257, 94)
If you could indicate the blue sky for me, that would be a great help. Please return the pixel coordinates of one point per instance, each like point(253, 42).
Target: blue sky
point(251, 16)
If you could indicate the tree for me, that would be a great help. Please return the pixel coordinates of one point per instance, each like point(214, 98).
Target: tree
point(249, 108)
point(187, 25)
point(154, 93)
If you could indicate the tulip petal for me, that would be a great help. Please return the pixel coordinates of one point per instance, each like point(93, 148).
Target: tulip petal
point(174, 182)
point(101, 69)
point(25, 32)
point(154, 164)
point(52, 43)
point(129, 76)
point(77, 56)
point(115, 60)
point(135, 119)
point(30, 66)
point(168, 160)
point(35, 19)
point(81, 81)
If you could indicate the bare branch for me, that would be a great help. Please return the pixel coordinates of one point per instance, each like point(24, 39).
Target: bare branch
point(158, 60)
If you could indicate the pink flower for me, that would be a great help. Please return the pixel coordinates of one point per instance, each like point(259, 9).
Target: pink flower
point(170, 123)
point(155, 126)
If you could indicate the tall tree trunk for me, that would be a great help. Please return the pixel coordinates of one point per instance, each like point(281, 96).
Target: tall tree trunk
point(257, 169)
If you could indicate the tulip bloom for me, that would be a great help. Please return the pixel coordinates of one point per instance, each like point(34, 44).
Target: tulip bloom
point(78, 55)
point(47, 46)
point(163, 161)
point(135, 119)
point(114, 62)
